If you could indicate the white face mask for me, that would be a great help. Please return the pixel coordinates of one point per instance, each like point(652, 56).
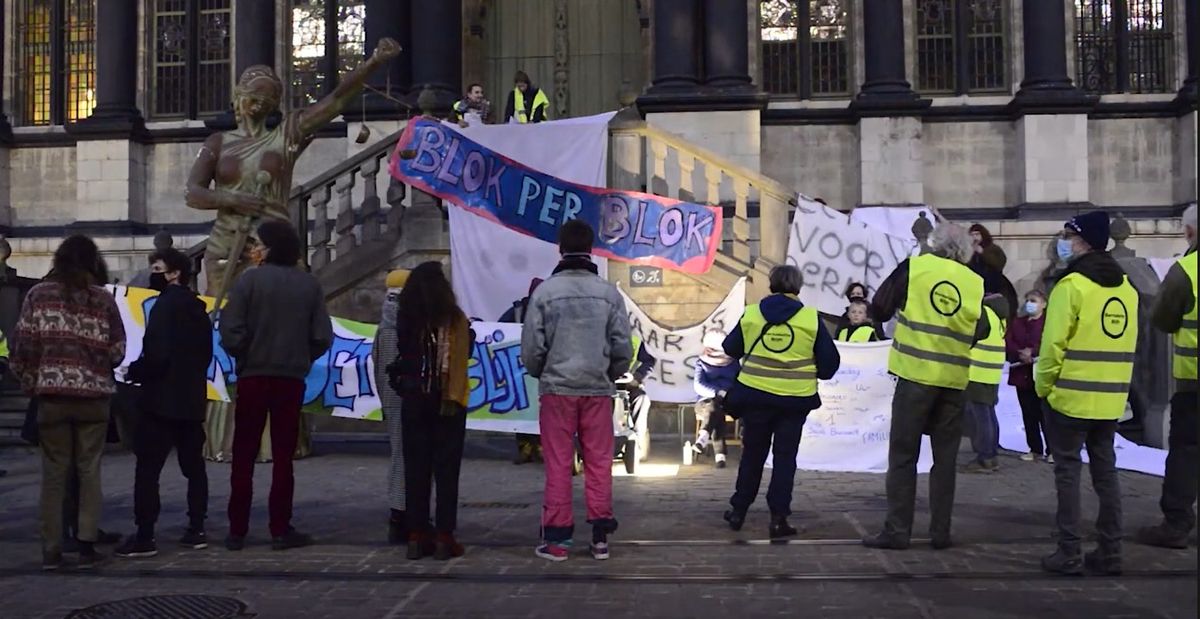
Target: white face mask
point(1032, 307)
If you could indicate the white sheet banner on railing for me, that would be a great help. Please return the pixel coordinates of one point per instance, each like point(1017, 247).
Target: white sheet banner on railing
point(832, 251)
point(493, 266)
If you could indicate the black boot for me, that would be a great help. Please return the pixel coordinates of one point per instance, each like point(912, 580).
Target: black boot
point(397, 528)
point(885, 541)
point(780, 528)
point(735, 519)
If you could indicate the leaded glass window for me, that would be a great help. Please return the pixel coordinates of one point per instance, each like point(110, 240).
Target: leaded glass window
point(55, 61)
point(192, 70)
point(328, 40)
point(806, 47)
point(961, 46)
point(1124, 46)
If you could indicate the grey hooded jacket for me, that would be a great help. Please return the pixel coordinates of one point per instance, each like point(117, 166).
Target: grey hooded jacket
point(575, 339)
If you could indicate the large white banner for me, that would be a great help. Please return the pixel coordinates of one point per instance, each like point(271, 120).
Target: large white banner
point(492, 266)
point(832, 251)
point(851, 430)
point(896, 221)
point(677, 349)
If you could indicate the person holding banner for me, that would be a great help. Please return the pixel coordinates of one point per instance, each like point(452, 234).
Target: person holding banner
point(940, 305)
point(1082, 374)
point(526, 103)
point(784, 349)
point(576, 342)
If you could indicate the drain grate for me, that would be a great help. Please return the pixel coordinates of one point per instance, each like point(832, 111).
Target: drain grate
point(173, 606)
point(493, 505)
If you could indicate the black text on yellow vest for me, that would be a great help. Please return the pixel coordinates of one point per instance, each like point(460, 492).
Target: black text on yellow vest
point(1097, 366)
point(987, 356)
point(935, 330)
point(782, 362)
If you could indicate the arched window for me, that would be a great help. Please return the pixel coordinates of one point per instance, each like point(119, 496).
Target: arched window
point(806, 47)
point(191, 74)
point(55, 61)
point(961, 46)
point(1124, 46)
point(328, 38)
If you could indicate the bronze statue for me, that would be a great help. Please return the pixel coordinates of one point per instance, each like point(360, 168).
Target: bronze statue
point(245, 175)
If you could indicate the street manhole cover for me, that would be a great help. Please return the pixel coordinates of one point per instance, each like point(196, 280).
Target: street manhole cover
point(162, 606)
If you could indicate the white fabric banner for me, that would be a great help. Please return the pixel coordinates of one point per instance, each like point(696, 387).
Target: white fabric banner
point(851, 430)
point(894, 220)
point(677, 349)
point(832, 251)
point(492, 266)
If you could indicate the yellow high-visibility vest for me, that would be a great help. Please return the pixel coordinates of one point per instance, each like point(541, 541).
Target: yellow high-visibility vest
point(1184, 361)
point(987, 356)
point(936, 328)
point(1085, 363)
point(636, 340)
point(855, 334)
point(782, 361)
point(3, 345)
point(539, 99)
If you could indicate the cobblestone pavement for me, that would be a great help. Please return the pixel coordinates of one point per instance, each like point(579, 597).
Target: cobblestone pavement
point(671, 558)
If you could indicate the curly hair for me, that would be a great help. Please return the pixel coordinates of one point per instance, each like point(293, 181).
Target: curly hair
point(78, 263)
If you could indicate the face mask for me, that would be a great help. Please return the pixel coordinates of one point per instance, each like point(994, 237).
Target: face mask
point(158, 281)
point(1063, 247)
point(1031, 307)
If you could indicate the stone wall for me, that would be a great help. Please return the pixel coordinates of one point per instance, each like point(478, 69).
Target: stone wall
point(816, 160)
point(966, 164)
point(1131, 161)
point(43, 186)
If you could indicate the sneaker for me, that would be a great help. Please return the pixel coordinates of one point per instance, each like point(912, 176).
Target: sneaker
point(51, 561)
point(235, 542)
point(600, 551)
point(89, 559)
point(553, 551)
point(1163, 536)
point(1028, 457)
point(291, 539)
point(1063, 563)
point(720, 463)
point(196, 539)
point(735, 519)
point(779, 528)
point(134, 548)
point(975, 467)
point(1049, 458)
point(701, 442)
point(1103, 564)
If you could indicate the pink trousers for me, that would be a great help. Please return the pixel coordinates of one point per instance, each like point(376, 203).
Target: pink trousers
point(560, 419)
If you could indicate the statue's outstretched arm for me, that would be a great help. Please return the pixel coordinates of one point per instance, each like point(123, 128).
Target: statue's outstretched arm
point(324, 111)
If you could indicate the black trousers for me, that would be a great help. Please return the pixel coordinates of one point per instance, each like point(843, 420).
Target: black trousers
point(916, 410)
point(1179, 482)
point(1031, 415)
point(433, 451)
point(154, 439)
point(768, 430)
point(1066, 437)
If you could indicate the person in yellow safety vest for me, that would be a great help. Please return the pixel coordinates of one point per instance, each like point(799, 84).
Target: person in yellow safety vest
point(983, 392)
point(859, 328)
point(1082, 374)
point(643, 362)
point(526, 103)
point(940, 305)
point(1175, 312)
point(784, 349)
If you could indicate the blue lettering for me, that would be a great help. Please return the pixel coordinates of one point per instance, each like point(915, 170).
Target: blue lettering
point(497, 379)
point(326, 375)
point(549, 206)
point(431, 140)
point(530, 190)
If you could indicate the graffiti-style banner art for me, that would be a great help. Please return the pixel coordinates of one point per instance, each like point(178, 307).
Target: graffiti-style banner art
point(630, 226)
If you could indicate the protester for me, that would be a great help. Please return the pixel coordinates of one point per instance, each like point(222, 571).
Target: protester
point(274, 326)
point(529, 446)
point(1021, 343)
point(433, 342)
point(1082, 373)
point(983, 391)
point(385, 352)
point(858, 327)
point(576, 342)
point(784, 349)
point(526, 103)
point(987, 260)
point(940, 302)
point(714, 376)
point(1175, 312)
point(3, 371)
point(177, 348)
point(474, 107)
point(67, 341)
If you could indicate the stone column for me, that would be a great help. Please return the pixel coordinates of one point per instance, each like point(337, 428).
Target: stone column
point(1186, 157)
point(726, 45)
point(676, 46)
point(1190, 92)
point(253, 43)
point(109, 155)
point(1046, 83)
point(382, 117)
point(437, 49)
point(5, 139)
point(886, 86)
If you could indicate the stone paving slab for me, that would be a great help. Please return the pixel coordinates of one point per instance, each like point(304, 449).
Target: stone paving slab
point(671, 558)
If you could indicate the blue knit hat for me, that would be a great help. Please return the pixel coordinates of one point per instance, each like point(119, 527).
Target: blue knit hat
point(1092, 228)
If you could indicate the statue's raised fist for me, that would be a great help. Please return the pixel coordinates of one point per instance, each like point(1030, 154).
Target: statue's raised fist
point(387, 49)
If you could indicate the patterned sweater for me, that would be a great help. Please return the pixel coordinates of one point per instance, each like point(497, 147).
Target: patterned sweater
point(67, 342)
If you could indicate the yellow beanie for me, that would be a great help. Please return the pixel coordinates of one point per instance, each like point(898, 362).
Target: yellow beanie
point(397, 278)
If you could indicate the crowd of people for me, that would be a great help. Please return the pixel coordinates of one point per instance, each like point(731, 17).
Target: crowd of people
point(1070, 358)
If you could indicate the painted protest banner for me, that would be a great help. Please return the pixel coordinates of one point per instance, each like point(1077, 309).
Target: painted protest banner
point(851, 430)
point(630, 226)
point(677, 349)
point(832, 251)
point(503, 397)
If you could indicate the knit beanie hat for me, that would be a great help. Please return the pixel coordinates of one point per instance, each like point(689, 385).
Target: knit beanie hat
point(1092, 228)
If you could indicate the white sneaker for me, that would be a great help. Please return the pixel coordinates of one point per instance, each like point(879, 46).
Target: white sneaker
point(600, 551)
point(1028, 457)
point(701, 442)
point(1049, 459)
